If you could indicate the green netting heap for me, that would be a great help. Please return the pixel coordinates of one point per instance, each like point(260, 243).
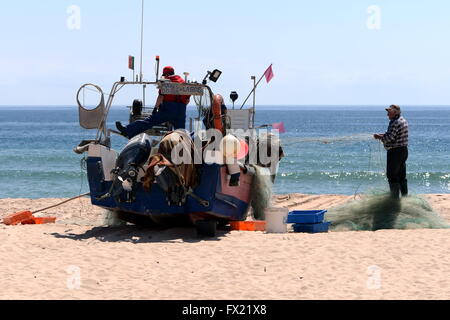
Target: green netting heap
point(261, 191)
point(380, 211)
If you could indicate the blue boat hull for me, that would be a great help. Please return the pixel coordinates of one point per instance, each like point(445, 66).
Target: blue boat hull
point(225, 203)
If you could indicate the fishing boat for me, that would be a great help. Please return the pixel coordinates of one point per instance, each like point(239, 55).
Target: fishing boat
point(117, 179)
point(145, 183)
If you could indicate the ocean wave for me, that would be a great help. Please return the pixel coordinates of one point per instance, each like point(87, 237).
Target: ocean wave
point(63, 176)
point(356, 175)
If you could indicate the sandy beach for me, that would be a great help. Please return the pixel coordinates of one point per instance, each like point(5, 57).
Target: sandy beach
point(80, 258)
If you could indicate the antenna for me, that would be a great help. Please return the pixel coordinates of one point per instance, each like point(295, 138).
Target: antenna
point(186, 74)
point(157, 68)
point(142, 39)
point(142, 48)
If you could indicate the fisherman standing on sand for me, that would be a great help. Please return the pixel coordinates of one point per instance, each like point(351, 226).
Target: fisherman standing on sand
point(395, 141)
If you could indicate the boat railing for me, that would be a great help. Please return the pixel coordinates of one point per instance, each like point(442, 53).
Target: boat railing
point(103, 133)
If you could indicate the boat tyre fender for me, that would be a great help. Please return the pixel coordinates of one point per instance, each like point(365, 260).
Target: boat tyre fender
point(206, 228)
point(137, 219)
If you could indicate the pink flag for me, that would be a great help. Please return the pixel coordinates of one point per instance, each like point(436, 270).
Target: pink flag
point(269, 74)
point(279, 126)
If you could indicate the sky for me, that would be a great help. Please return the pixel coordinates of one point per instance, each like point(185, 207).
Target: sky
point(324, 52)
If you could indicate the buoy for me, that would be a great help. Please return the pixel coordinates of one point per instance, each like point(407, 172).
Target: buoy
point(230, 146)
point(243, 150)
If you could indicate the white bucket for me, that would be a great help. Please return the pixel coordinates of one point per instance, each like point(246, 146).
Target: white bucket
point(276, 220)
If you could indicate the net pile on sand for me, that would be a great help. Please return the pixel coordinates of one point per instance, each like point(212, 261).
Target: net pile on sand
point(261, 191)
point(111, 219)
point(380, 211)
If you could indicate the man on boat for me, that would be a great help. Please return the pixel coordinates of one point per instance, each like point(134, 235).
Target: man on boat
point(168, 108)
point(395, 141)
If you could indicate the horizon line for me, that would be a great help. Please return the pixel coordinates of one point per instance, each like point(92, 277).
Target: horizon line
point(261, 105)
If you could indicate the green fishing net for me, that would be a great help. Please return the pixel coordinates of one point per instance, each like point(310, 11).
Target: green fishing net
point(261, 191)
point(372, 207)
point(376, 210)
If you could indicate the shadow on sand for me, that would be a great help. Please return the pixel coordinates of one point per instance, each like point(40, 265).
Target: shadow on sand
point(140, 234)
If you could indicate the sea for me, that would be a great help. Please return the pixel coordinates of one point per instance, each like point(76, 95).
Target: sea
point(328, 149)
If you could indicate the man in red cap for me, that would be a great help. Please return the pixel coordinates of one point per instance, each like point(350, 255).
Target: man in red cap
point(168, 108)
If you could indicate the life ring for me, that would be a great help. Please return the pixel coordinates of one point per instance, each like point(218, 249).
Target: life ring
point(217, 112)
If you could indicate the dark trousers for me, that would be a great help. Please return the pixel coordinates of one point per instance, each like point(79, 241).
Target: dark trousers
point(396, 169)
point(172, 112)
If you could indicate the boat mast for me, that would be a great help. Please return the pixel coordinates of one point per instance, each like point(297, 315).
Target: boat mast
point(142, 40)
point(142, 49)
point(254, 101)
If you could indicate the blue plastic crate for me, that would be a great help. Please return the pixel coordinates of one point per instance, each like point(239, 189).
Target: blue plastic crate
point(311, 227)
point(306, 216)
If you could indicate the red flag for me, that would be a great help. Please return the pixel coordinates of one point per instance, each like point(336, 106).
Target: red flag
point(269, 74)
point(131, 62)
point(279, 126)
